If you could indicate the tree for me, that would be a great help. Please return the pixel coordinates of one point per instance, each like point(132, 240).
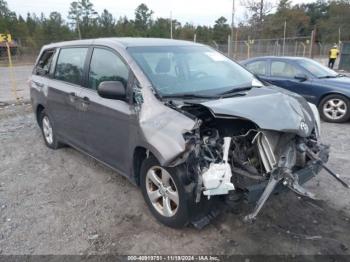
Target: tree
point(4, 10)
point(160, 28)
point(106, 23)
point(263, 21)
point(221, 30)
point(296, 20)
point(204, 34)
point(8, 19)
point(316, 11)
point(75, 15)
point(84, 17)
point(338, 18)
point(55, 29)
point(143, 18)
point(187, 31)
point(257, 11)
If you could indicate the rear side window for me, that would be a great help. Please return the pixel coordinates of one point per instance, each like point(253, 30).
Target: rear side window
point(257, 67)
point(70, 65)
point(43, 66)
point(283, 69)
point(106, 66)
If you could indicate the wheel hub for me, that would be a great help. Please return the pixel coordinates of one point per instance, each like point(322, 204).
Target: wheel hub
point(162, 191)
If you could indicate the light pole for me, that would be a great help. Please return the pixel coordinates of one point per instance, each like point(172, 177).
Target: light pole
point(171, 24)
point(284, 36)
point(232, 28)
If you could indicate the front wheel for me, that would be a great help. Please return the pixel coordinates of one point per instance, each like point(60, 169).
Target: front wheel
point(335, 109)
point(165, 194)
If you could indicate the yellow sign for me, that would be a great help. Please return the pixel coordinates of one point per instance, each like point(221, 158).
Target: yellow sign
point(5, 38)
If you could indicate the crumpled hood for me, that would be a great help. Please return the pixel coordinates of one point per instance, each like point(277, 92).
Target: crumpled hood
point(270, 108)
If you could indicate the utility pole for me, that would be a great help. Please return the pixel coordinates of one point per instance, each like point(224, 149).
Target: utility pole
point(312, 43)
point(284, 36)
point(78, 28)
point(171, 24)
point(236, 42)
point(232, 29)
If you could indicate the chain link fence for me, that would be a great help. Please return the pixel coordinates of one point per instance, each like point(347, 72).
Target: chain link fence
point(292, 46)
point(25, 51)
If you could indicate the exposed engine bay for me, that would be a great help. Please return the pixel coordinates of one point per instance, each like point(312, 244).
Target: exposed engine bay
point(228, 155)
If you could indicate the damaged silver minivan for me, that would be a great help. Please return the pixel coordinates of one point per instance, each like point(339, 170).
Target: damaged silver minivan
point(188, 125)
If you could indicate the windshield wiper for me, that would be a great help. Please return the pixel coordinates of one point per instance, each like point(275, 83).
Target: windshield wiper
point(329, 76)
point(189, 96)
point(236, 90)
point(230, 93)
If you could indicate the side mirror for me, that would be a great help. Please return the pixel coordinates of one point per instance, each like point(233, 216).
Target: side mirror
point(301, 77)
point(112, 90)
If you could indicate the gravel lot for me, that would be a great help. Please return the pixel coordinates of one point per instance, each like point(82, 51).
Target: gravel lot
point(62, 202)
point(17, 77)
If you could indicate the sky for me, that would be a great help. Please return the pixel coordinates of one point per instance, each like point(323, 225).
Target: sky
point(197, 12)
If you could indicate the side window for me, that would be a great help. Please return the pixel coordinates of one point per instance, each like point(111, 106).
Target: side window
point(43, 66)
point(283, 69)
point(70, 65)
point(257, 67)
point(106, 66)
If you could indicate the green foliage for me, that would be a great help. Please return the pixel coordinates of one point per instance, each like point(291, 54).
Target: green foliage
point(143, 19)
point(221, 30)
point(84, 17)
point(326, 16)
point(338, 17)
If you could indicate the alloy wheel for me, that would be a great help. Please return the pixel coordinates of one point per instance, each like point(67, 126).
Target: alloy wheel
point(162, 191)
point(335, 108)
point(47, 130)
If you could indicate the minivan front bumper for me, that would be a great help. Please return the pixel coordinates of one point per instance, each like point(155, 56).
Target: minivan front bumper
point(312, 168)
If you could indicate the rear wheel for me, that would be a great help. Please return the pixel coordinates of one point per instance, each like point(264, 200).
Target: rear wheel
point(335, 109)
point(48, 131)
point(165, 194)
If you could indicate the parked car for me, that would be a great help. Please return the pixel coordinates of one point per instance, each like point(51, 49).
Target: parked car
point(319, 85)
point(188, 125)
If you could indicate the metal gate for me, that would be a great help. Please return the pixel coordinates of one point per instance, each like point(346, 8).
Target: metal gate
point(344, 62)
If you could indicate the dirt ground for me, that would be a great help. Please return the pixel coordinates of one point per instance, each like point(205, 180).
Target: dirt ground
point(15, 78)
point(62, 202)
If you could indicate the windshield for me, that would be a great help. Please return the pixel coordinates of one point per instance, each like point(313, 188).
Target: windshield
point(196, 70)
point(316, 68)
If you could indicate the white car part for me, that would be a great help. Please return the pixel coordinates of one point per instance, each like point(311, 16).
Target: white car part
point(217, 179)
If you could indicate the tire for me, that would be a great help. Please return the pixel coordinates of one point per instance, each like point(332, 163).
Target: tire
point(47, 131)
point(335, 109)
point(176, 215)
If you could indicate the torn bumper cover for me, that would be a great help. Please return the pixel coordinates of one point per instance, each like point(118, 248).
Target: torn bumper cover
point(313, 168)
point(282, 174)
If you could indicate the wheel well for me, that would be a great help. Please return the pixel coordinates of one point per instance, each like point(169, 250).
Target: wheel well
point(39, 109)
point(140, 154)
point(329, 94)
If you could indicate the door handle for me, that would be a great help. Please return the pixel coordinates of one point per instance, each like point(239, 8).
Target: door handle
point(38, 84)
point(86, 100)
point(72, 97)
